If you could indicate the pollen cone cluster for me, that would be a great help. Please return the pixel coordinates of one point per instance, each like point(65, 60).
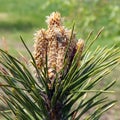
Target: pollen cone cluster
point(53, 43)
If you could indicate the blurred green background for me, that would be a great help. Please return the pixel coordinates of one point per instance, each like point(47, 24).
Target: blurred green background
point(25, 17)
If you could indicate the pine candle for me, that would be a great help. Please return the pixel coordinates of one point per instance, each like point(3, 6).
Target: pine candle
point(53, 42)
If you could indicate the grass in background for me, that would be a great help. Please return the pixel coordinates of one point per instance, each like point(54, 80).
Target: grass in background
point(24, 17)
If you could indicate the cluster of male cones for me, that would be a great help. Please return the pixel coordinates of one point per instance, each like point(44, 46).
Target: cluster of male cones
point(57, 43)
